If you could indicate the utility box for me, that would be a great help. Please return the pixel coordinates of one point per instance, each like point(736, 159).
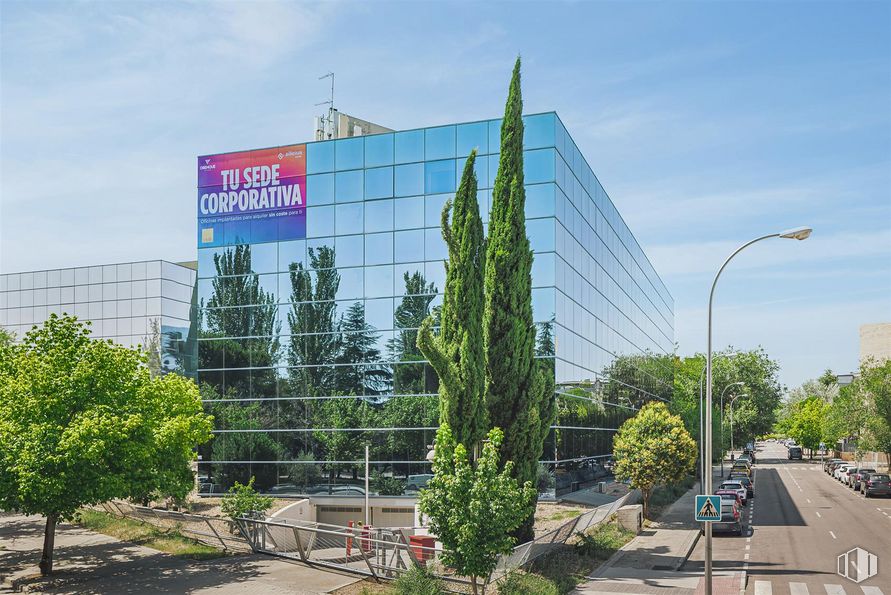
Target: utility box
point(601, 486)
point(630, 518)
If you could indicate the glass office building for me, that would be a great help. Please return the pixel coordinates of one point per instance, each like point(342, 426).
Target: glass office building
point(133, 303)
point(307, 331)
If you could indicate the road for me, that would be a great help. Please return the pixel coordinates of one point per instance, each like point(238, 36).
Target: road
point(800, 521)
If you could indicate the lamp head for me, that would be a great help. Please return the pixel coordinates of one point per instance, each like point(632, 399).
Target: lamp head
point(799, 233)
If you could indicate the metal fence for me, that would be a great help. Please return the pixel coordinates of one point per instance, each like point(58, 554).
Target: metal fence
point(385, 553)
point(213, 531)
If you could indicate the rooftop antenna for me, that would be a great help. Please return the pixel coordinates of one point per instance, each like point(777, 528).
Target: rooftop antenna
point(325, 126)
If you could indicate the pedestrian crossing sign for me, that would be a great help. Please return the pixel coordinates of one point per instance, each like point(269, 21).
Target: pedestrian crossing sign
point(708, 508)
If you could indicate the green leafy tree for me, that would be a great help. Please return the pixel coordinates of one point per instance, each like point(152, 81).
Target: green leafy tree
point(242, 500)
point(407, 318)
point(653, 448)
point(875, 380)
point(520, 394)
point(359, 371)
point(343, 449)
point(82, 421)
point(807, 423)
point(473, 510)
point(457, 353)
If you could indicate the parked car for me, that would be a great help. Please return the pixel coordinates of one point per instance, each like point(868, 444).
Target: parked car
point(829, 462)
point(795, 453)
point(841, 474)
point(738, 488)
point(746, 481)
point(833, 467)
point(877, 484)
point(729, 495)
point(731, 519)
point(416, 482)
point(854, 477)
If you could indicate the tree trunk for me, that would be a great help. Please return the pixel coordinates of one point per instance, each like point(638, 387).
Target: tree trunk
point(49, 538)
point(645, 495)
point(473, 584)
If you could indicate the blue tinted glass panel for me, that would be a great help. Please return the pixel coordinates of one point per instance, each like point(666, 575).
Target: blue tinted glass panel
point(379, 281)
point(379, 182)
point(349, 218)
point(539, 131)
point(542, 304)
point(289, 252)
point(540, 200)
point(409, 245)
point(378, 248)
point(409, 179)
point(541, 234)
point(378, 150)
point(409, 146)
point(473, 136)
point(439, 176)
point(319, 222)
point(348, 186)
point(433, 210)
point(495, 135)
point(539, 165)
point(264, 258)
point(320, 189)
point(352, 284)
point(434, 245)
point(320, 157)
point(543, 269)
point(378, 215)
point(379, 313)
point(409, 212)
point(349, 251)
point(349, 153)
point(439, 143)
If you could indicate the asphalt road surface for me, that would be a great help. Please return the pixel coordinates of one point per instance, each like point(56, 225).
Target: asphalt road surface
point(799, 522)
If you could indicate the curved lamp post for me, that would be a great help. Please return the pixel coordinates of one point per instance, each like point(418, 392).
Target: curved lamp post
point(722, 423)
point(801, 233)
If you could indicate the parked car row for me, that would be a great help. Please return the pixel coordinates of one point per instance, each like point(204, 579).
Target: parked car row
point(735, 493)
point(865, 480)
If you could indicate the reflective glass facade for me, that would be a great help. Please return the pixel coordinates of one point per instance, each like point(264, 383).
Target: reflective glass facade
point(122, 302)
point(307, 347)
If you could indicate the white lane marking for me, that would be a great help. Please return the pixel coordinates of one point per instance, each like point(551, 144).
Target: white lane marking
point(834, 589)
point(809, 501)
point(798, 589)
point(872, 591)
point(879, 509)
point(746, 557)
point(748, 547)
point(833, 535)
point(819, 515)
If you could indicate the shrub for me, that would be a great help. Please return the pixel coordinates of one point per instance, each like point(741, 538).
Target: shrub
point(603, 541)
point(521, 583)
point(244, 501)
point(418, 581)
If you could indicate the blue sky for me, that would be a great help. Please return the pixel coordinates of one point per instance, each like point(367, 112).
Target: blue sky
point(708, 124)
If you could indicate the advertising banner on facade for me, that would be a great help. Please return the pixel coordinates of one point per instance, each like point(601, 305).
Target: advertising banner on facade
point(252, 196)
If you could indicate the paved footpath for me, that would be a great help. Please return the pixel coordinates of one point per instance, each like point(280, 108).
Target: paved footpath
point(650, 563)
point(92, 563)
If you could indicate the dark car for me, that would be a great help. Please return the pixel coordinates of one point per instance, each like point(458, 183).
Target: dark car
point(877, 484)
point(828, 462)
point(795, 452)
point(731, 520)
point(854, 477)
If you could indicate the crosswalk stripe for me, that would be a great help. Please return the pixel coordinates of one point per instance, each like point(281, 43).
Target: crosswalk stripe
point(872, 591)
point(834, 590)
point(798, 589)
point(763, 588)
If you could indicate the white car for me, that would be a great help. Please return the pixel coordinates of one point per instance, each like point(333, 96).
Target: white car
point(737, 487)
point(842, 472)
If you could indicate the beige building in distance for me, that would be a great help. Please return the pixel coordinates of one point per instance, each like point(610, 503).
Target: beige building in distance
point(875, 341)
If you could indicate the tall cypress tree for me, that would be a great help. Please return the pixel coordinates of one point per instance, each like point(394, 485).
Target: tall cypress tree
point(457, 353)
point(519, 393)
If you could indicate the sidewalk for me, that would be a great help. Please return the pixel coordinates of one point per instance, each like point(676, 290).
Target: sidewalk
point(650, 563)
point(92, 563)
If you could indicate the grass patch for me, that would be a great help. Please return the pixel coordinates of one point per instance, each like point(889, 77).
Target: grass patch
point(165, 540)
point(565, 568)
point(562, 515)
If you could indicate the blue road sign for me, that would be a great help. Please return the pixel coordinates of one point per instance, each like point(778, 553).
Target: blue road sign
point(708, 508)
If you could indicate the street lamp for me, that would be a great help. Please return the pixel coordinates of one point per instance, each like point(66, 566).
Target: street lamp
point(722, 423)
point(702, 429)
point(801, 233)
point(732, 401)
